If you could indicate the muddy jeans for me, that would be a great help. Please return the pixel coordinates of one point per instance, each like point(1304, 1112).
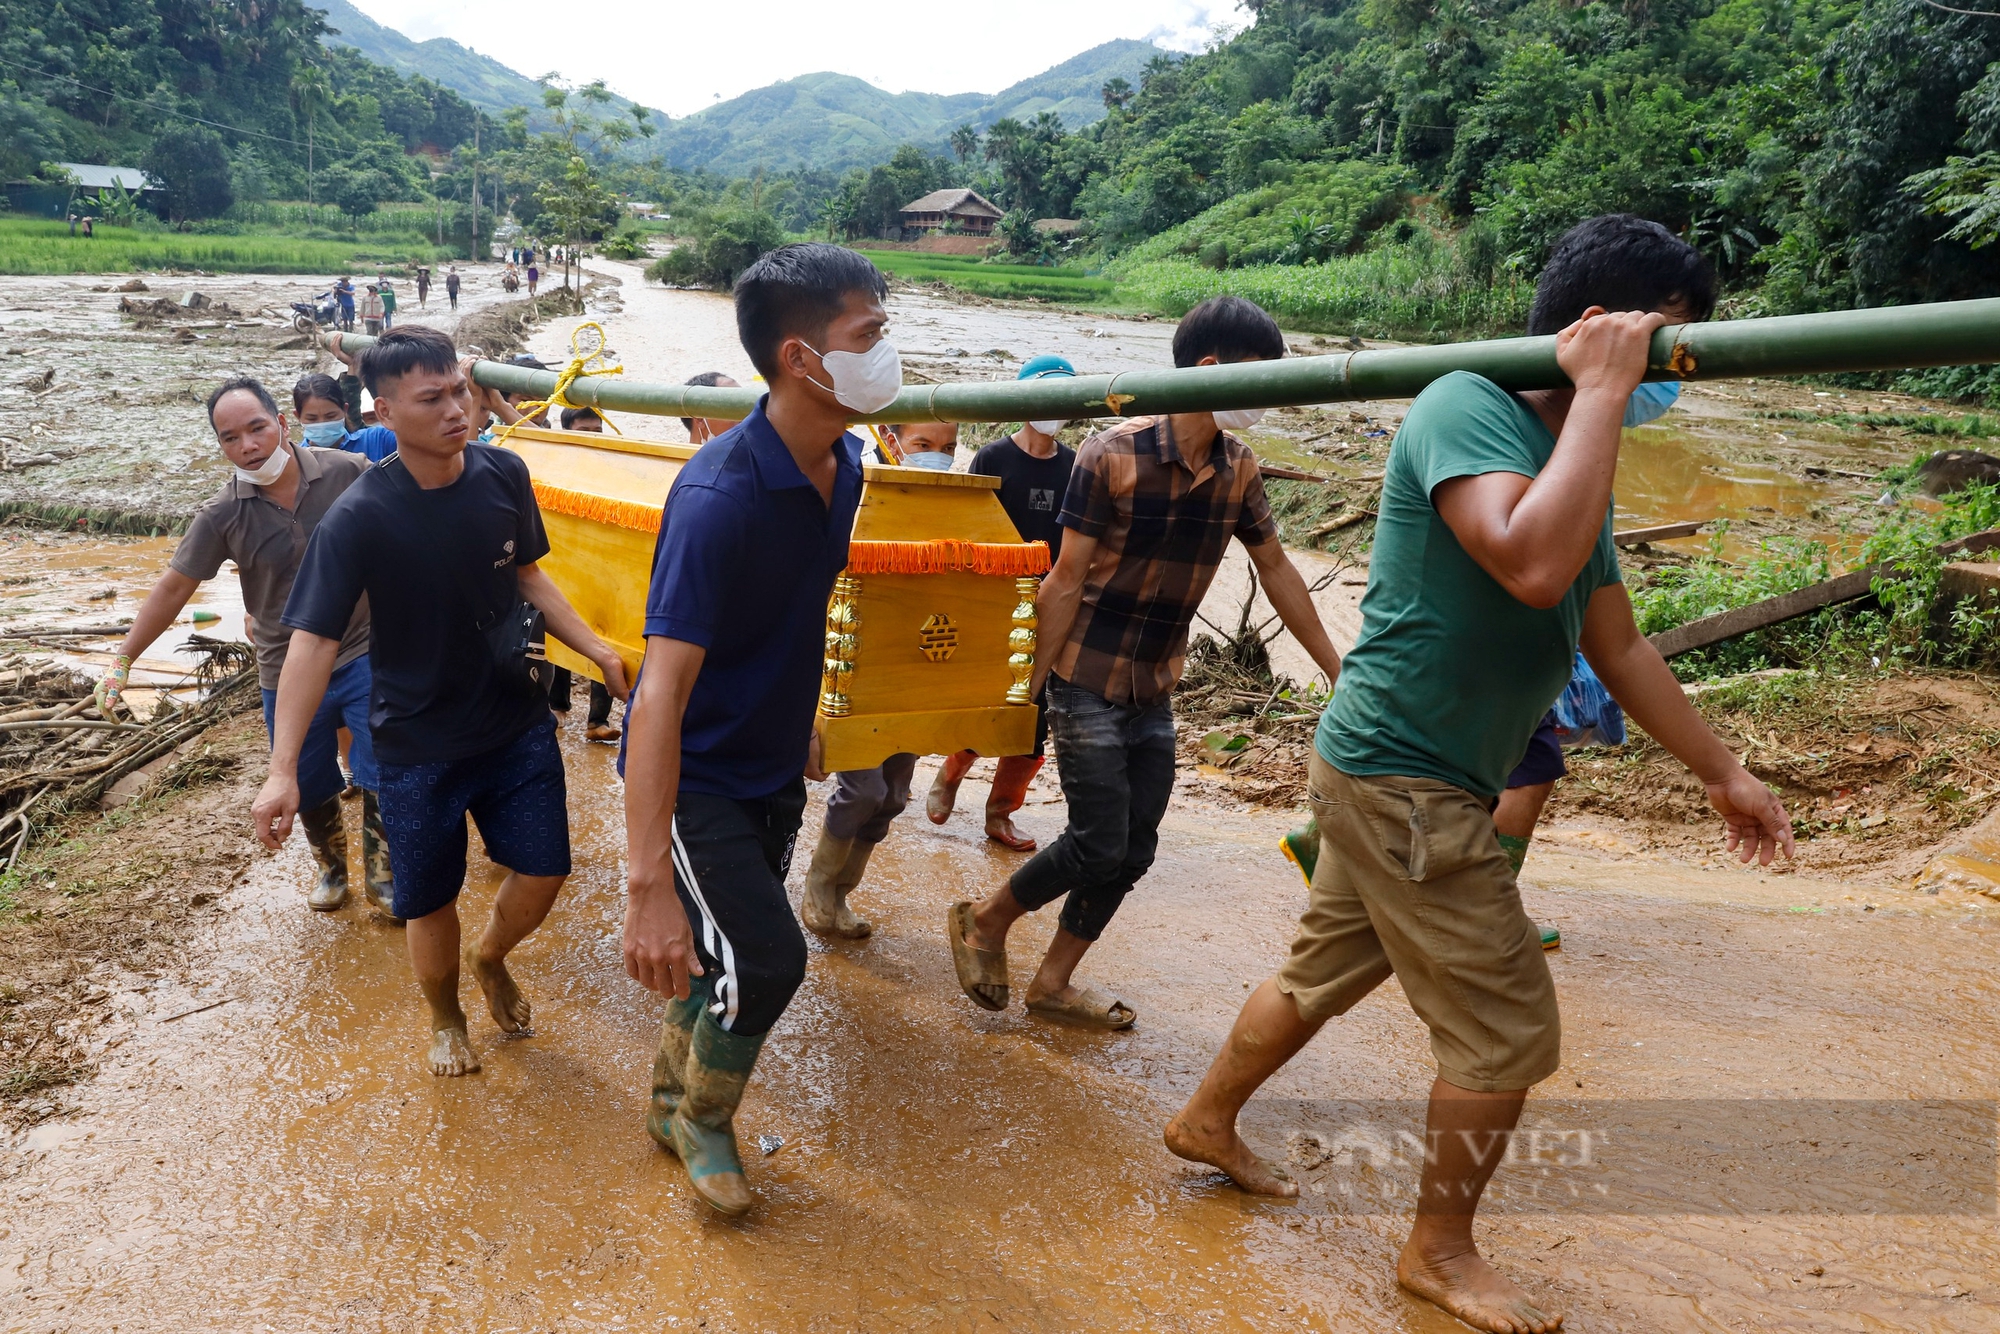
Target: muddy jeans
point(1116, 762)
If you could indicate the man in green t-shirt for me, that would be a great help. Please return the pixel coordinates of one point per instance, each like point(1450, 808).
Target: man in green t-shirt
point(1493, 562)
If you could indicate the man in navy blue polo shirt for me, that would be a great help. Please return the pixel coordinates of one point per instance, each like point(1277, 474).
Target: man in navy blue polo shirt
point(720, 725)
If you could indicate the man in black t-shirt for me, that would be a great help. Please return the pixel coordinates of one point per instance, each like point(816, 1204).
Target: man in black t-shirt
point(1033, 468)
point(443, 542)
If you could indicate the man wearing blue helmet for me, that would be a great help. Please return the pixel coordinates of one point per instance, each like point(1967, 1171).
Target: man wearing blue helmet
point(1033, 468)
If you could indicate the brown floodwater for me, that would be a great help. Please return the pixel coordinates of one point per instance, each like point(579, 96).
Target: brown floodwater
point(282, 1161)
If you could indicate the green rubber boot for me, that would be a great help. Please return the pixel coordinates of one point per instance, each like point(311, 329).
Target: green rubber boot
point(704, 1125)
point(328, 839)
point(1517, 854)
point(670, 1061)
point(1301, 848)
point(378, 881)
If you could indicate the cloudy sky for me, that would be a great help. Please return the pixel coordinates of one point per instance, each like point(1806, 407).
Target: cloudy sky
point(680, 57)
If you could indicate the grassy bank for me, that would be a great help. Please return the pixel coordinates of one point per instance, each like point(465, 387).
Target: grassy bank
point(1393, 292)
point(1006, 282)
point(32, 246)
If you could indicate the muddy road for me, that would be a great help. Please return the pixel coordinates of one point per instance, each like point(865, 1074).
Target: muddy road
point(1776, 1108)
point(283, 1161)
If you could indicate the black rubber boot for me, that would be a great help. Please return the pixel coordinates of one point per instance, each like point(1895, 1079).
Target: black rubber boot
point(378, 881)
point(328, 839)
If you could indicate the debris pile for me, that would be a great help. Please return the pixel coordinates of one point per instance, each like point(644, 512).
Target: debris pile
point(58, 754)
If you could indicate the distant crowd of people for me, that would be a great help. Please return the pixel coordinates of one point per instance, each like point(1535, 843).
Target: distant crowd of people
point(393, 582)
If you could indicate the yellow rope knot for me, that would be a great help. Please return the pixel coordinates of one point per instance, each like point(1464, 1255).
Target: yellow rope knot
point(583, 351)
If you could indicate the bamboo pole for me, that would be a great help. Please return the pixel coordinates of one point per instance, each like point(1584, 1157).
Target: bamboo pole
point(1949, 333)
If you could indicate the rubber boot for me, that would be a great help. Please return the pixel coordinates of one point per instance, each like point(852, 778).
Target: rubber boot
point(1517, 854)
point(943, 796)
point(378, 881)
point(670, 1061)
point(328, 839)
point(704, 1125)
point(837, 865)
point(1301, 848)
point(1011, 776)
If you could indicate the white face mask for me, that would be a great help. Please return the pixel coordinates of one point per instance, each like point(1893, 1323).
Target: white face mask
point(1239, 419)
point(928, 458)
point(271, 469)
point(865, 381)
point(1048, 428)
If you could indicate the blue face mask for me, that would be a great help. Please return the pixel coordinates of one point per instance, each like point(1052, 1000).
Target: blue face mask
point(928, 458)
point(325, 435)
point(1650, 400)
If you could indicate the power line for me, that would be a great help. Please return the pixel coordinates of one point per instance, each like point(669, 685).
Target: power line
point(1969, 13)
point(140, 101)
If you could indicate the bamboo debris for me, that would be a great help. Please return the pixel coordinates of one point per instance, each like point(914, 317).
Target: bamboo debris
point(54, 759)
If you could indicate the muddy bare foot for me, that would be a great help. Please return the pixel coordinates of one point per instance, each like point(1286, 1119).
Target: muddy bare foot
point(1225, 1150)
point(451, 1053)
point(1474, 1291)
point(509, 1007)
point(941, 800)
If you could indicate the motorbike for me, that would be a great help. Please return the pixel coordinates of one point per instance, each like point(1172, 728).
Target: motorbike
point(321, 311)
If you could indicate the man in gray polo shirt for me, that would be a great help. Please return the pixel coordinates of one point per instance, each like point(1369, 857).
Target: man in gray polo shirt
point(261, 519)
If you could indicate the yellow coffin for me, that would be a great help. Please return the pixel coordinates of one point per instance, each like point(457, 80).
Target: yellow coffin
point(930, 633)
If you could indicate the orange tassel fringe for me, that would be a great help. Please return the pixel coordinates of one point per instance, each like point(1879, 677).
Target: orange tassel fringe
point(948, 555)
point(945, 555)
point(600, 509)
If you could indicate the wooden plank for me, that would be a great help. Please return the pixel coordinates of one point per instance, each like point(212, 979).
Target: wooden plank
point(1757, 615)
point(1297, 475)
point(1632, 537)
point(1742, 620)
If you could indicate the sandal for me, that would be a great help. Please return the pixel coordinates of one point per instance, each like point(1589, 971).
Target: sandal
point(977, 969)
point(1089, 1007)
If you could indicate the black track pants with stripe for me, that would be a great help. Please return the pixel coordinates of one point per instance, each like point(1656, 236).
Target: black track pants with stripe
point(730, 862)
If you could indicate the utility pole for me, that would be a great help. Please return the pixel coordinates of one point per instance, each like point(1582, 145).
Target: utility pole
point(476, 118)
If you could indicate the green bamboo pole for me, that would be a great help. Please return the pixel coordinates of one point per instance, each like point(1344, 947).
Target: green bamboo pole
point(1950, 333)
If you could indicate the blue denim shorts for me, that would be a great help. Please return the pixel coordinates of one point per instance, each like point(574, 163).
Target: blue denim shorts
point(517, 793)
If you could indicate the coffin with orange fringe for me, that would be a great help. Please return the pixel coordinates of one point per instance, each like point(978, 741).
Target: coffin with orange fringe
point(930, 637)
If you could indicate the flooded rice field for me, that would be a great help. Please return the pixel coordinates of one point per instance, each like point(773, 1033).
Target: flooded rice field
point(1776, 1108)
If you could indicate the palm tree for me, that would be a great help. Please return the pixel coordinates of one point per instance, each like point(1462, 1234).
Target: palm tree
point(312, 95)
point(964, 142)
point(1117, 93)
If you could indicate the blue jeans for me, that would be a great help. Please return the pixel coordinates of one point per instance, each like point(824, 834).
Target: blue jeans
point(345, 705)
point(1117, 767)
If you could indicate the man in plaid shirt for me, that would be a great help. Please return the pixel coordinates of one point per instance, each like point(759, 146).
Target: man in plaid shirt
point(1151, 508)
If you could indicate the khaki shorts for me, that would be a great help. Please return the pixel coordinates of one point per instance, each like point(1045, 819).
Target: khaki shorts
point(1411, 880)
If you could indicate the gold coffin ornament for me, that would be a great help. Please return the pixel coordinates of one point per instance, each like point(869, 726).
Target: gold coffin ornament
point(930, 635)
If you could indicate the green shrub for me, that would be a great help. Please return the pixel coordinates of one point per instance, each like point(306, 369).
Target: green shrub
point(1321, 210)
point(1419, 289)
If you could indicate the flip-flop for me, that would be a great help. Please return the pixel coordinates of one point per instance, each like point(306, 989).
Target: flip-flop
point(1089, 1007)
point(976, 967)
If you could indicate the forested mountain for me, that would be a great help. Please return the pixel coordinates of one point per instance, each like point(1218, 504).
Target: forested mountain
point(1782, 136)
point(102, 80)
point(831, 122)
point(480, 80)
